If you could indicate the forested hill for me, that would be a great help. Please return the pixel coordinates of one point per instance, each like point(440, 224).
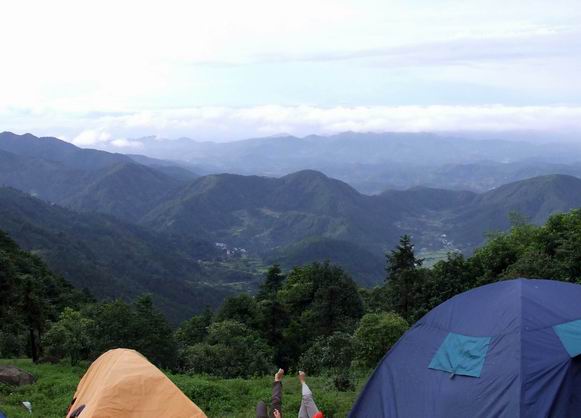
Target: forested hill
point(121, 226)
point(313, 317)
point(30, 295)
point(262, 213)
point(112, 258)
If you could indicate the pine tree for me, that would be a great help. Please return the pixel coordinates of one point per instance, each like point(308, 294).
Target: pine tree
point(404, 278)
point(272, 283)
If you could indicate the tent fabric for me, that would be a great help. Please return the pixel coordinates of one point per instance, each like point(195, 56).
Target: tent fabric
point(461, 354)
point(527, 371)
point(121, 383)
point(2, 415)
point(570, 335)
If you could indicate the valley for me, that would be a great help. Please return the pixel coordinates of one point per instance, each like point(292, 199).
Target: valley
point(120, 228)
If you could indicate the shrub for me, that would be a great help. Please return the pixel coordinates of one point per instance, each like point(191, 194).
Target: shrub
point(328, 354)
point(376, 334)
point(231, 350)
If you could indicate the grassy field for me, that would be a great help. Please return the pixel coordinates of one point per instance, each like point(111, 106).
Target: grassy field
point(233, 398)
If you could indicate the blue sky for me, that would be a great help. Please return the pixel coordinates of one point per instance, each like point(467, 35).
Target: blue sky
point(110, 71)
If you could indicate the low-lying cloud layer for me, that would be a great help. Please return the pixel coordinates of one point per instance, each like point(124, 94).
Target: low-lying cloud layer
point(122, 130)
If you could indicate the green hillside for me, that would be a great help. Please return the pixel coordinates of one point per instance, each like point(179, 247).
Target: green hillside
point(262, 213)
point(366, 266)
point(113, 259)
point(127, 191)
point(535, 199)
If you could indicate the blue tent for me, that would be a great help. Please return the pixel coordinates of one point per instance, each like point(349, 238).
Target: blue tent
point(508, 349)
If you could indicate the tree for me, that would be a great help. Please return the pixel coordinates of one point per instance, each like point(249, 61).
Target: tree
point(321, 299)
point(194, 330)
point(272, 283)
point(113, 326)
point(154, 336)
point(325, 296)
point(402, 258)
point(376, 334)
point(404, 278)
point(139, 326)
point(70, 336)
point(241, 308)
point(328, 354)
point(35, 308)
point(446, 279)
point(30, 296)
point(231, 350)
point(273, 319)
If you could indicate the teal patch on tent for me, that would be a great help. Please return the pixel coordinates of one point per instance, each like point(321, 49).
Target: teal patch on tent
point(570, 335)
point(461, 354)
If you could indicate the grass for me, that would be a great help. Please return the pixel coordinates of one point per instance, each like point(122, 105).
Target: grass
point(233, 398)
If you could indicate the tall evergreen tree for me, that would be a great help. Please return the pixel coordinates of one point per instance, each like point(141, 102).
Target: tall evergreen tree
point(404, 278)
point(272, 283)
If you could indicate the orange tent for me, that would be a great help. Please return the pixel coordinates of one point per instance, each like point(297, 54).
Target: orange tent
point(123, 384)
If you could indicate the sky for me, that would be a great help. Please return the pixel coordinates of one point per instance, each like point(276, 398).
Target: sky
point(108, 72)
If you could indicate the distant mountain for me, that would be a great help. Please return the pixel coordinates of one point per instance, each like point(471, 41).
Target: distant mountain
point(374, 162)
point(116, 259)
point(292, 213)
point(87, 180)
point(176, 169)
point(536, 199)
point(127, 191)
point(216, 231)
point(263, 213)
point(362, 264)
point(486, 175)
point(53, 149)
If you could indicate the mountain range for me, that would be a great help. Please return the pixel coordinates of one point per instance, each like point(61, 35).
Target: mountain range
point(374, 162)
point(123, 225)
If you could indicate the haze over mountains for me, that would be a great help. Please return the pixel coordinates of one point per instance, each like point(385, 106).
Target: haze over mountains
point(374, 162)
point(122, 225)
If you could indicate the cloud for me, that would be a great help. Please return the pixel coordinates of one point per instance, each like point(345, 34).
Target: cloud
point(91, 137)
point(529, 43)
point(228, 123)
point(100, 137)
point(126, 143)
point(324, 52)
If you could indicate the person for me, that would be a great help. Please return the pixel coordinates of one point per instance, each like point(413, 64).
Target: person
point(308, 407)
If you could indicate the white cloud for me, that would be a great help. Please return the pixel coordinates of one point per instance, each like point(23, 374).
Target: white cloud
point(90, 137)
point(229, 123)
point(126, 143)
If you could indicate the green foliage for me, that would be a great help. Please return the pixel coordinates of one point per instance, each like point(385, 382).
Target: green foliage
point(320, 299)
point(271, 284)
point(343, 381)
point(115, 259)
point(363, 264)
point(231, 350)
point(70, 336)
point(195, 329)
point(153, 335)
point(404, 278)
point(376, 334)
point(139, 326)
point(31, 295)
point(328, 354)
point(241, 308)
